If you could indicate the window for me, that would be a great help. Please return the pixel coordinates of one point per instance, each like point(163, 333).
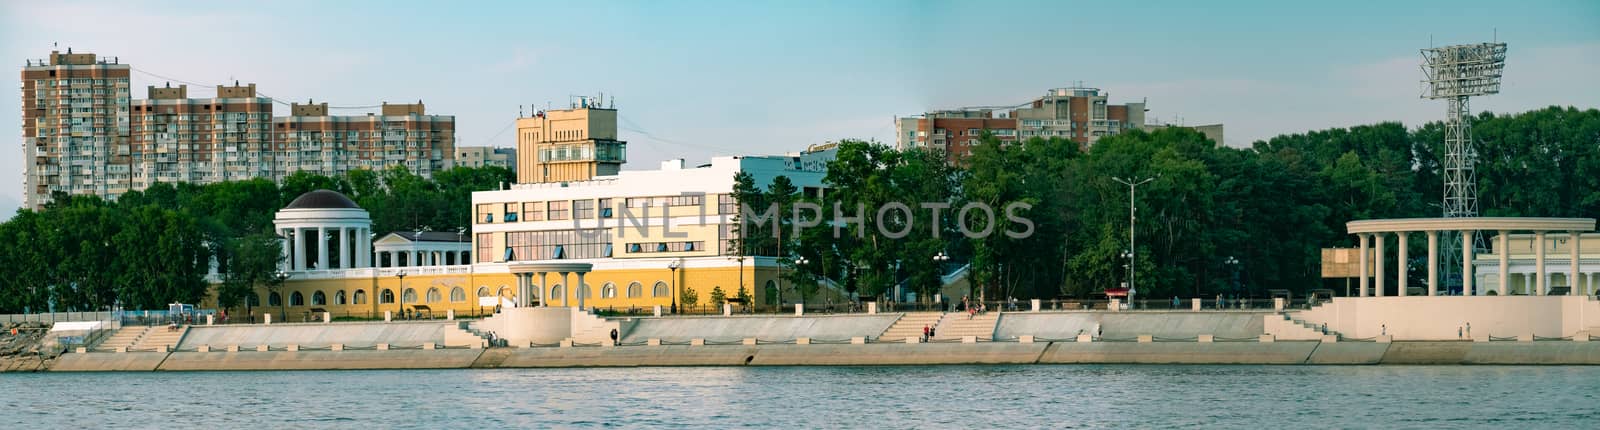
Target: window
point(557, 293)
point(973, 132)
point(434, 296)
point(408, 296)
point(359, 298)
point(605, 208)
point(510, 212)
point(458, 295)
point(533, 211)
point(583, 209)
point(653, 247)
point(273, 299)
point(319, 299)
point(635, 290)
point(339, 298)
point(388, 297)
point(484, 214)
point(609, 291)
point(660, 290)
point(557, 244)
point(485, 243)
point(726, 204)
point(559, 210)
point(483, 291)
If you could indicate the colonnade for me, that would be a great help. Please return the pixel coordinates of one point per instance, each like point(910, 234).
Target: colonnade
point(1375, 233)
point(354, 243)
point(527, 291)
point(410, 258)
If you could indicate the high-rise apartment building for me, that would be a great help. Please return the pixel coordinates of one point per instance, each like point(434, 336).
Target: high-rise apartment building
point(310, 139)
point(1081, 115)
point(83, 134)
point(74, 126)
point(574, 144)
point(174, 138)
point(479, 156)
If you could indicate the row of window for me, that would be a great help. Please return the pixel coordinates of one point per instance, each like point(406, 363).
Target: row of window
point(457, 295)
point(653, 247)
point(557, 245)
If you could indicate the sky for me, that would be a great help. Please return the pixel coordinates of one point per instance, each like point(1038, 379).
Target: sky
point(695, 79)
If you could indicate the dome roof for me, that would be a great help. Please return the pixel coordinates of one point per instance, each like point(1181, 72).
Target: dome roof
point(322, 199)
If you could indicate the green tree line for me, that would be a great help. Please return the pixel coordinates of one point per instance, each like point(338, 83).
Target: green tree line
point(153, 247)
point(1271, 206)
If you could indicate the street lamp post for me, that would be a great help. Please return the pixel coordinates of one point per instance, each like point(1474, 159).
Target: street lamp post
point(674, 267)
point(399, 291)
point(283, 299)
point(939, 262)
point(1233, 270)
point(1133, 249)
point(797, 263)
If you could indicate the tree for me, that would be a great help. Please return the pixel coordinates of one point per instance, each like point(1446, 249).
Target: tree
point(688, 296)
point(256, 263)
point(718, 297)
point(744, 296)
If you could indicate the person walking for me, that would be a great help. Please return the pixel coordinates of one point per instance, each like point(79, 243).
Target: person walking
point(926, 331)
point(932, 331)
point(613, 337)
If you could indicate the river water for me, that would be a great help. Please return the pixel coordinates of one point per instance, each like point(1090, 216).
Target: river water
point(1038, 396)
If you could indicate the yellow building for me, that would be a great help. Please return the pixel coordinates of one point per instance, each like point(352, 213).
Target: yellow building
point(645, 233)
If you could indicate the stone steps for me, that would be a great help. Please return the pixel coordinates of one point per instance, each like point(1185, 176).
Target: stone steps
point(956, 325)
point(910, 325)
point(158, 337)
point(125, 337)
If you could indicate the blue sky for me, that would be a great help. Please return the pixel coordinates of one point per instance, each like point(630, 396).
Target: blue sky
point(695, 79)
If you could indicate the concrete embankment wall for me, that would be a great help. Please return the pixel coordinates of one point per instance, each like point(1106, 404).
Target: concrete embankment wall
point(347, 334)
point(1174, 325)
point(1295, 352)
point(773, 328)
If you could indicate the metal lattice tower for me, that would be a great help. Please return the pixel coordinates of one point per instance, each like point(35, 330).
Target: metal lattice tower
point(1456, 73)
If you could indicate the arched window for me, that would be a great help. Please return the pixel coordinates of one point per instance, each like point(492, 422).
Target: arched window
point(387, 297)
point(319, 299)
point(254, 299)
point(609, 291)
point(434, 296)
point(273, 299)
point(635, 290)
point(556, 293)
point(584, 292)
point(661, 290)
point(504, 292)
point(483, 291)
point(408, 296)
point(359, 298)
point(339, 298)
point(458, 295)
point(297, 299)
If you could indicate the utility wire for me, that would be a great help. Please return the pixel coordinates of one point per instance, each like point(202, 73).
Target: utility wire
point(262, 94)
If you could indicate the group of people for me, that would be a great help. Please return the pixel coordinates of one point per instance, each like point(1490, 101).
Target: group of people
point(927, 333)
point(973, 309)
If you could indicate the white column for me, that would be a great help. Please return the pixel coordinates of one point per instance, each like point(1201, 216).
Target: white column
point(581, 295)
point(1402, 265)
point(1433, 263)
point(1377, 287)
point(1466, 262)
point(366, 246)
point(288, 245)
point(1572, 272)
point(1363, 252)
point(566, 289)
point(522, 288)
point(1538, 263)
point(322, 248)
point(1505, 263)
point(544, 290)
point(344, 248)
point(299, 248)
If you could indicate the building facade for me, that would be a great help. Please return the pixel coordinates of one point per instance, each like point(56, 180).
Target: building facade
point(173, 138)
point(1082, 115)
point(84, 135)
point(74, 127)
point(479, 156)
point(575, 144)
point(645, 237)
point(311, 140)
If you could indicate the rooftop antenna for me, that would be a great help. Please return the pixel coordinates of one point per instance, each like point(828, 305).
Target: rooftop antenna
point(1456, 73)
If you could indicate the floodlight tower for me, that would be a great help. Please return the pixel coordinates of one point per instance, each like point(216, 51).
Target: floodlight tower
point(1456, 73)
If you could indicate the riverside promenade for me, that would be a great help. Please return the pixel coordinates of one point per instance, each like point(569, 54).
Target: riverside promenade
point(1062, 337)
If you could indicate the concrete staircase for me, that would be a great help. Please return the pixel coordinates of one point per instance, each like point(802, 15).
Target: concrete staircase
point(492, 358)
point(1284, 327)
point(159, 338)
point(588, 328)
point(955, 325)
point(125, 337)
point(910, 324)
